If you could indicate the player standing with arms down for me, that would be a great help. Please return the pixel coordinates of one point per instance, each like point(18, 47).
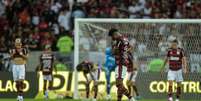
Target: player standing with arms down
point(46, 65)
point(177, 61)
point(91, 73)
point(19, 56)
point(120, 48)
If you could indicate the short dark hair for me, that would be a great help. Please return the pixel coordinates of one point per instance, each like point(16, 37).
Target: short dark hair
point(175, 41)
point(112, 31)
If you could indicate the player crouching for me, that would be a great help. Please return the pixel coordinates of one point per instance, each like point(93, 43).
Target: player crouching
point(19, 57)
point(46, 66)
point(91, 73)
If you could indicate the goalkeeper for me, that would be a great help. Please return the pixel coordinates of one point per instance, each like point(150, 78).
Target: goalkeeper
point(109, 67)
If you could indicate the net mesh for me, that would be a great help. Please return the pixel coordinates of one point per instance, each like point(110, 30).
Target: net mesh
point(150, 41)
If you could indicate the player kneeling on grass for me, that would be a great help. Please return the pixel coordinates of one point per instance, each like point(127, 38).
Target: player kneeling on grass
point(91, 73)
point(176, 59)
point(19, 57)
point(132, 74)
point(46, 66)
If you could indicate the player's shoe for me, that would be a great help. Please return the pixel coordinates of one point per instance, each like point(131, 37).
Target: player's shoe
point(86, 99)
point(93, 99)
point(177, 100)
point(131, 99)
point(46, 94)
point(108, 97)
point(138, 97)
point(19, 98)
point(170, 99)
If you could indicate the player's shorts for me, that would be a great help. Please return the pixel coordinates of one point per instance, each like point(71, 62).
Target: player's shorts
point(132, 76)
point(93, 76)
point(175, 75)
point(48, 77)
point(120, 72)
point(18, 72)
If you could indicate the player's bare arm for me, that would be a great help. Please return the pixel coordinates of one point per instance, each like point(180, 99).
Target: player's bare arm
point(184, 62)
point(24, 56)
point(164, 64)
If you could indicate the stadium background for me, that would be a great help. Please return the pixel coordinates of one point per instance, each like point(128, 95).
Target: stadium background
point(42, 22)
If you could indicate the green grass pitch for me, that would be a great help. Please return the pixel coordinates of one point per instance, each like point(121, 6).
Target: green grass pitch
point(76, 100)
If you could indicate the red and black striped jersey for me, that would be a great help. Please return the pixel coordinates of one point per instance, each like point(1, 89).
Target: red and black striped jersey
point(47, 62)
point(175, 58)
point(18, 52)
point(120, 48)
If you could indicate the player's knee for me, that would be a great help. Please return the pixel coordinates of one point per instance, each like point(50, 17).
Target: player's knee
point(170, 83)
point(128, 83)
point(119, 83)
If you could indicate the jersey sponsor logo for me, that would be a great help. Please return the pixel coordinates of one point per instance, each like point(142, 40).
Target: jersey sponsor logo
point(174, 58)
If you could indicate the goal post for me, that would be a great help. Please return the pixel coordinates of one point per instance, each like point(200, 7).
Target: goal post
point(147, 35)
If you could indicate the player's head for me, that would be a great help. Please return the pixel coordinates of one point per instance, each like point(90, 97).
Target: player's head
point(174, 44)
point(47, 48)
point(113, 33)
point(18, 43)
point(108, 51)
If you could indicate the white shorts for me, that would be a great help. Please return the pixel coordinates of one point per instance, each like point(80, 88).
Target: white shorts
point(47, 77)
point(132, 76)
point(93, 76)
point(120, 73)
point(18, 72)
point(175, 75)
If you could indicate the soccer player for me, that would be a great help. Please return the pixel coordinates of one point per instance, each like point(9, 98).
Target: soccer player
point(91, 73)
point(120, 48)
point(47, 61)
point(132, 74)
point(19, 56)
point(109, 67)
point(177, 61)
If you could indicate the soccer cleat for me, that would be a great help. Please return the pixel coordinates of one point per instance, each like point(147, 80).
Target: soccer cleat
point(177, 100)
point(93, 99)
point(21, 99)
point(132, 99)
point(18, 98)
point(170, 99)
point(108, 97)
point(46, 94)
point(86, 99)
point(137, 97)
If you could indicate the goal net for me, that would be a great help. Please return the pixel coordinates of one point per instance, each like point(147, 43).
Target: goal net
point(149, 37)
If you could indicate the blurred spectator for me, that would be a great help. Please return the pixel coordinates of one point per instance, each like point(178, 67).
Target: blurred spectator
point(57, 16)
point(65, 44)
point(35, 19)
point(163, 45)
point(3, 47)
point(141, 48)
point(78, 12)
point(56, 6)
point(2, 8)
point(64, 19)
point(46, 39)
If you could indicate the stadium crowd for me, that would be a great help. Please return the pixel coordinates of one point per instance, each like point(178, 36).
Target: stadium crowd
point(41, 22)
